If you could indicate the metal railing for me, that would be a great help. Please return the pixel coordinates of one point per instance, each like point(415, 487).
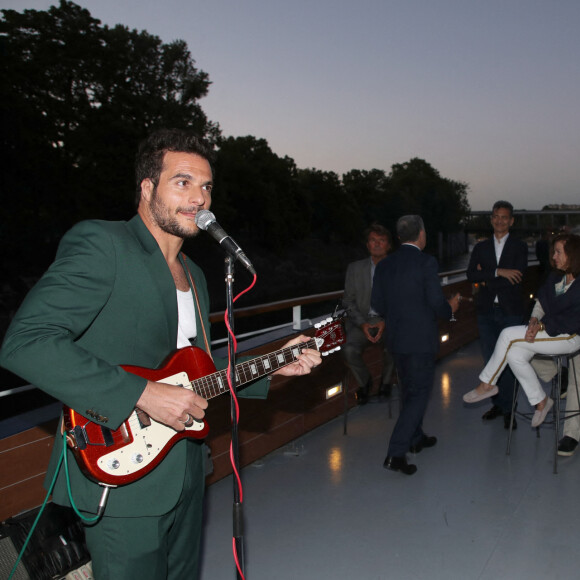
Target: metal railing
point(295, 304)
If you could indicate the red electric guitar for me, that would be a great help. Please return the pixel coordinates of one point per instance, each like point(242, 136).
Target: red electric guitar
point(125, 455)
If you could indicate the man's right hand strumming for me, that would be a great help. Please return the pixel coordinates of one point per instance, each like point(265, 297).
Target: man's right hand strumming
point(171, 405)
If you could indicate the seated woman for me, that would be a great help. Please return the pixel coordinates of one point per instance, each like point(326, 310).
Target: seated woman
point(552, 330)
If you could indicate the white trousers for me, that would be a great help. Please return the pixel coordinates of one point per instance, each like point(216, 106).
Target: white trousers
point(511, 348)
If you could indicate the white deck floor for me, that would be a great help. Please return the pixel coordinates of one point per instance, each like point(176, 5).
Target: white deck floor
point(327, 509)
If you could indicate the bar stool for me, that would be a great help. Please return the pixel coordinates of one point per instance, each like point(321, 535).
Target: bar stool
point(558, 415)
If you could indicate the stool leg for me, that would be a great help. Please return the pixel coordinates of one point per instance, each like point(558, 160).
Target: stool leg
point(514, 400)
point(556, 409)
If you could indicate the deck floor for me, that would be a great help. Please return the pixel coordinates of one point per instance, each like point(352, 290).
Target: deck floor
point(325, 508)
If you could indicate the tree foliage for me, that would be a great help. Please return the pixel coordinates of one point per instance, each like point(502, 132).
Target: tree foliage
point(76, 98)
point(257, 193)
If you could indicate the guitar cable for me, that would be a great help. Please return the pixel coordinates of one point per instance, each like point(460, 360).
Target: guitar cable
point(100, 509)
point(33, 527)
point(104, 495)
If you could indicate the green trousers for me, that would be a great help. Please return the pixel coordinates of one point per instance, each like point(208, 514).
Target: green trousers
point(162, 547)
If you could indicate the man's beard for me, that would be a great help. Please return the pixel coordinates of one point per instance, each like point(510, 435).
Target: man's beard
point(167, 222)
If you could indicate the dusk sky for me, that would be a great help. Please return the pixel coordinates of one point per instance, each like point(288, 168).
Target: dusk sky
point(487, 92)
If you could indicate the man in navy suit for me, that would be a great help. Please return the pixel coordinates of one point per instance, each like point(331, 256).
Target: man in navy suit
point(408, 293)
point(363, 326)
point(497, 266)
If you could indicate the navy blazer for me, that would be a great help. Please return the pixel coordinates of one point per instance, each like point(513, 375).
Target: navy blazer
point(514, 256)
point(561, 313)
point(407, 293)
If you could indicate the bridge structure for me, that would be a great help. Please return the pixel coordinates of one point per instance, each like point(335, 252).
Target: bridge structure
point(528, 222)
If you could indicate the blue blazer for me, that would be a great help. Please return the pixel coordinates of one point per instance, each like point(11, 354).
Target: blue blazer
point(407, 293)
point(561, 313)
point(513, 256)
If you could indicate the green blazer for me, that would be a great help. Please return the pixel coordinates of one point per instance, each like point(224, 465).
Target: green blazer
point(108, 299)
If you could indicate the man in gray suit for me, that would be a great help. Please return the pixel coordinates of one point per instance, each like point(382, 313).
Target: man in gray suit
point(363, 326)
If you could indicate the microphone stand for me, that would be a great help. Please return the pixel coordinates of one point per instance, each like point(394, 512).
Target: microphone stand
point(238, 516)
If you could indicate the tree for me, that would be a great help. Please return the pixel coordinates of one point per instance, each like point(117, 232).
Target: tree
point(415, 187)
point(256, 192)
point(335, 217)
point(76, 98)
point(368, 189)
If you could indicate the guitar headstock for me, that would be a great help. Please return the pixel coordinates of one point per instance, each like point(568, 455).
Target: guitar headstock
point(329, 335)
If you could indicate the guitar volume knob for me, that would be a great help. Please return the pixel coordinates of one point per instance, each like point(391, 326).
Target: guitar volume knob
point(137, 458)
point(113, 463)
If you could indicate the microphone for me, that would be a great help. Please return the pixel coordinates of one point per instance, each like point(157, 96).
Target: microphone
point(205, 220)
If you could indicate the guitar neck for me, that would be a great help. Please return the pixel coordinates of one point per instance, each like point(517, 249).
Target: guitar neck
point(216, 384)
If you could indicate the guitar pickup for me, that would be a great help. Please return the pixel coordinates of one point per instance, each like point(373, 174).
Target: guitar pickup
point(107, 436)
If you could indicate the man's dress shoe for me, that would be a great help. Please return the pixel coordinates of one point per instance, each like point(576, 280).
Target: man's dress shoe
point(427, 441)
point(567, 446)
point(399, 464)
point(493, 413)
point(362, 395)
point(385, 390)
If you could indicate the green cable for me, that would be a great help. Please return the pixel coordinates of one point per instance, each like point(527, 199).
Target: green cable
point(35, 521)
point(72, 503)
point(52, 484)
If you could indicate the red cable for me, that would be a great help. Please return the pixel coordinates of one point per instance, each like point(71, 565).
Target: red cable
point(237, 412)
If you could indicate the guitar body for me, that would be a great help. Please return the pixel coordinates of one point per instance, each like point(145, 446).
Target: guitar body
point(122, 456)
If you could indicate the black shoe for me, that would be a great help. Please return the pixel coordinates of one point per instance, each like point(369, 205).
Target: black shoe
point(362, 394)
point(567, 446)
point(385, 390)
point(506, 422)
point(493, 413)
point(426, 442)
point(399, 464)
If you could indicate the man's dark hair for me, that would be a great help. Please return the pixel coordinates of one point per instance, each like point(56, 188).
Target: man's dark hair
point(501, 204)
point(379, 230)
point(409, 227)
point(571, 244)
point(152, 150)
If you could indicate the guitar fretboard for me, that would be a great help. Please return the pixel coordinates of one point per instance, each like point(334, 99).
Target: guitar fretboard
point(217, 383)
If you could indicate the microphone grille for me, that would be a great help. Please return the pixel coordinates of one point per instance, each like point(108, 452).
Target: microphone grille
point(204, 218)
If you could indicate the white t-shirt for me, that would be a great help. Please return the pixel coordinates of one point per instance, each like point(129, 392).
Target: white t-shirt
point(187, 328)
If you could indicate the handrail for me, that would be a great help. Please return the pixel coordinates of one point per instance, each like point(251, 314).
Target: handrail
point(302, 301)
point(278, 305)
point(294, 303)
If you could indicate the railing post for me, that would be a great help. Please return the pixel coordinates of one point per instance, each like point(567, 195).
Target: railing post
point(297, 317)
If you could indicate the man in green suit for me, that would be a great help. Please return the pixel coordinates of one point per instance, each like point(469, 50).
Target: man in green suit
point(122, 293)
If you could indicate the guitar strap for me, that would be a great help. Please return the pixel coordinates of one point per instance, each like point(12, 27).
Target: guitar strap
point(193, 287)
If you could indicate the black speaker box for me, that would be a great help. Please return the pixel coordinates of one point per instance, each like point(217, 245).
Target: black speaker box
point(56, 547)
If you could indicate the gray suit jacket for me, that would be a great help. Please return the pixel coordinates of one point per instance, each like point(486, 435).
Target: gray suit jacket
point(357, 292)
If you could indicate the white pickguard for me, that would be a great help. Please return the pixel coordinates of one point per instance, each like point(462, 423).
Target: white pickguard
point(147, 441)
